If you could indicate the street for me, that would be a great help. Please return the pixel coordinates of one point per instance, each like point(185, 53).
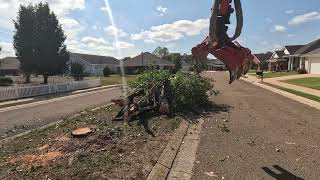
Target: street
point(257, 135)
point(28, 116)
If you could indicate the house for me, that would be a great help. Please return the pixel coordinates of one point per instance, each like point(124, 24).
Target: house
point(215, 65)
point(277, 62)
point(143, 61)
point(293, 59)
point(10, 66)
point(263, 57)
point(312, 61)
point(309, 57)
point(95, 64)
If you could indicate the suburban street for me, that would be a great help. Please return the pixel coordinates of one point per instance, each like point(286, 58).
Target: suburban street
point(257, 135)
point(24, 117)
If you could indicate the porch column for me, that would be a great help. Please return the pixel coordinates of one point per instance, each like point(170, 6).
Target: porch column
point(300, 63)
point(289, 64)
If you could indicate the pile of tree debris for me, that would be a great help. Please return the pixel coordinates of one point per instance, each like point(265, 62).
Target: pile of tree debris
point(162, 93)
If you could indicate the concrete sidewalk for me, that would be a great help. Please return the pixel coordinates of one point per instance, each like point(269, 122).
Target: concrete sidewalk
point(277, 81)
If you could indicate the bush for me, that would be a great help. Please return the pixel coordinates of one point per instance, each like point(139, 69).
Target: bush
point(77, 71)
point(302, 71)
point(187, 91)
point(190, 91)
point(106, 71)
point(5, 81)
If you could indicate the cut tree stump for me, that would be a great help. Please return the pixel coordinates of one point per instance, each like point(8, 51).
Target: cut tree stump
point(81, 132)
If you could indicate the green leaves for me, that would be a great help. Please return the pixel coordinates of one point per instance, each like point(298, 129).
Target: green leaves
point(39, 41)
point(77, 71)
point(188, 91)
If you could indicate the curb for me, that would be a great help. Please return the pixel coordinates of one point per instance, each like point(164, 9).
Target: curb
point(182, 168)
point(164, 164)
point(3, 141)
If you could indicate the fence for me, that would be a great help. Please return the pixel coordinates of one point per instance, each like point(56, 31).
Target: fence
point(31, 91)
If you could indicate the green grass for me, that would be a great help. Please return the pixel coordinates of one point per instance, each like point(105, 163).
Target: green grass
point(114, 79)
point(298, 93)
point(274, 74)
point(310, 82)
point(279, 74)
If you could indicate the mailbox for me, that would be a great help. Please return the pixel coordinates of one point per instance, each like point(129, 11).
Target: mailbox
point(259, 73)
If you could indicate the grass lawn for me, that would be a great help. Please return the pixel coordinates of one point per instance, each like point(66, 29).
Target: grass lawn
point(298, 93)
point(114, 150)
point(275, 74)
point(114, 79)
point(311, 82)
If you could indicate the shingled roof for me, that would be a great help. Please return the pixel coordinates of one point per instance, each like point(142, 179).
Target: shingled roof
point(309, 47)
point(264, 56)
point(146, 59)
point(280, 53)
point(10, 63)
point(95, 59)
point(293, 48)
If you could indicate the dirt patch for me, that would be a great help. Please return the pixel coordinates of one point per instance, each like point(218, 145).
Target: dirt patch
point(114, 150)
point(31, 160)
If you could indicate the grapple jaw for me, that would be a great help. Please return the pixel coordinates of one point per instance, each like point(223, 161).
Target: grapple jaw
point(237, 59)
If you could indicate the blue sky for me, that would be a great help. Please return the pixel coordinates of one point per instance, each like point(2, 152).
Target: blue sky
point(142, 25)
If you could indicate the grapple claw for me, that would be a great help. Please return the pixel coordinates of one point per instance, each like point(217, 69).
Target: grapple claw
point(238, 59)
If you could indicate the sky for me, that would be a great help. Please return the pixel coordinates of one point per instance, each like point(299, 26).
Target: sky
point(142, 25)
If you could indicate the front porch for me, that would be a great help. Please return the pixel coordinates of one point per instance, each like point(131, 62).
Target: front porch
point(295, 63)
point(277, 64)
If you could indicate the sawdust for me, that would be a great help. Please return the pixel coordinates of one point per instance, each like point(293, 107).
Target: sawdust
point(29, 160)
point(44, 147)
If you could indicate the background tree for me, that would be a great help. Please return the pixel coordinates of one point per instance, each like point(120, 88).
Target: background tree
point(106, 71)
point(39, 42)
point(176, 58)
point(187, 58)
point(77, 71)
point(24, 40)
point(161, 52)
point(51, 52)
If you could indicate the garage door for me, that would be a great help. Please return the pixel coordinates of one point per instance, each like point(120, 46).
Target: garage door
point(315, 66)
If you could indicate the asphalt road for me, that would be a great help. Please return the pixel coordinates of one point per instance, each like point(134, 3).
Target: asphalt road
point(20, 118)
point(256, 134)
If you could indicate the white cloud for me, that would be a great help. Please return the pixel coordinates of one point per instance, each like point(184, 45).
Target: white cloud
point(290, 11)
point(304, 18)
point(279, 28)
point(99, 46)
point(124, 45)
point(112, 30)
point(173, 31)
point(161, 10)
point(9, 9)
point(7, 49)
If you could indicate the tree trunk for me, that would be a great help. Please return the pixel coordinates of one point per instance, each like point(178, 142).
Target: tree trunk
point(45, 79)
point(27, 78)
